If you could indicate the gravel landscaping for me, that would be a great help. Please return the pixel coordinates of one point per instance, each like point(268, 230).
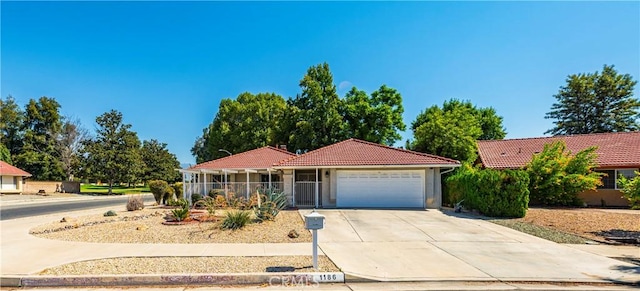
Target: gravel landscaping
point(145, 226)
point(174, 265)
point(577, 225)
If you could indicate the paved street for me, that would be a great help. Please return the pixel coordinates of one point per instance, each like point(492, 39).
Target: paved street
point(15, 208)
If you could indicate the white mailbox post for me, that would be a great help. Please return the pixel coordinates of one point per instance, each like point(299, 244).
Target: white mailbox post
point(314, 221)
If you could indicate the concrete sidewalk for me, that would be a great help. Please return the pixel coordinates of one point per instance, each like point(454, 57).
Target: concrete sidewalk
point(406, 245)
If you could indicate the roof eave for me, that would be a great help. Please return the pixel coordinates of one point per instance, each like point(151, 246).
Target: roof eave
point(368, 166)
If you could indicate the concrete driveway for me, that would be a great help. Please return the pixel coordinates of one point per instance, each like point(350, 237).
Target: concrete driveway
point(394, 245)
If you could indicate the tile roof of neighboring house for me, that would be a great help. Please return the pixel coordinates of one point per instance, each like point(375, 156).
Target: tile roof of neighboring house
point(9, 170)
point(614, 149)
point(354, 152)
point(260, 158)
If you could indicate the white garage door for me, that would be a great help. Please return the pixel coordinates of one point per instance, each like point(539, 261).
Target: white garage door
point(380, 189)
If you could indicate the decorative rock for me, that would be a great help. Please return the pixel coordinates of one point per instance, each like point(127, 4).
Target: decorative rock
point(142, 227)
point(293, 234)
point(68, 219)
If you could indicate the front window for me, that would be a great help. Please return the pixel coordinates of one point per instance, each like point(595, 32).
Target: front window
point(610, 181)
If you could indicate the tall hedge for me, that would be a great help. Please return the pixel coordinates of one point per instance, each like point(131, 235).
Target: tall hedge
point(496, 193)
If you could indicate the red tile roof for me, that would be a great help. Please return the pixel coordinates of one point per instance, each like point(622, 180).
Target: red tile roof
point(260, 158)
point(354, 152)
point(614, 149)
point(9, 170)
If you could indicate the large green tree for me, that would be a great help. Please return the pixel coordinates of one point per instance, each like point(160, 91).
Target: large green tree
point(5, 155)
point(114, 154)
point(160, 164)
point(452, 131)
point(377, 118)
point(250, 121)
point(11, 125)
point(595, 102)
point(38, 155)
point(313, 119)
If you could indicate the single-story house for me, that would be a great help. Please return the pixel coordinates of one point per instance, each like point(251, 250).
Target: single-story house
point(350, 174)
point(618, 155)
point(11, 179)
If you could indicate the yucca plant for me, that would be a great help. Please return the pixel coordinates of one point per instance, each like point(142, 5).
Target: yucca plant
point(236, 219)
point(180, 214)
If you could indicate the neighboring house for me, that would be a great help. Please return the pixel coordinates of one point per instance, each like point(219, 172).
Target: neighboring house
point(11, 179)
point(351, 174)
point(618, 155)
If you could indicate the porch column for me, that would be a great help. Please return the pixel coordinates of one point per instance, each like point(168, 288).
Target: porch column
point(317, 188)
point(225, 185)
point(184, 185)
point(269, 173)
point(248, 187)
point(204, 183)
point(293, 185)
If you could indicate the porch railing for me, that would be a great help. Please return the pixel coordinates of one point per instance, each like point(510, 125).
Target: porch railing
point(232, 189)
point(306, 194)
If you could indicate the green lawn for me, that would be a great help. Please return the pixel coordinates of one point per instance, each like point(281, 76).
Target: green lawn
point(103, 189)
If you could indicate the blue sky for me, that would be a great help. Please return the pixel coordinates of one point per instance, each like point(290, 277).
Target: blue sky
point(166, 65)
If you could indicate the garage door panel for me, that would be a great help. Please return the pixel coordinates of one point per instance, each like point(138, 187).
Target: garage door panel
point(382, 189)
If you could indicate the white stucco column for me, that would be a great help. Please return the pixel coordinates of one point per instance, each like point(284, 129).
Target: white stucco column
point(204, 183)
point(317, 188)
point(293, 188)
point(184, 184)
point(248, 187)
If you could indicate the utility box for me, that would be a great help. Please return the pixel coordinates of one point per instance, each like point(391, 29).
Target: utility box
point(314, 220)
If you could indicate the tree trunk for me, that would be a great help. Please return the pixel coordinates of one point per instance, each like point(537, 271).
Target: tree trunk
point(110, 187)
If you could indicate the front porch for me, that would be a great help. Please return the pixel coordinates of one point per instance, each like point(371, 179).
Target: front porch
point(232, 183)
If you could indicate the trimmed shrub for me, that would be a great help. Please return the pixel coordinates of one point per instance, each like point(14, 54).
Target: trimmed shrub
point(496, 193)
point(177, 189)
point(135, 203)
point(557, 176)
point(168, 195)
point(158, 188)
point(110, 213)
point(195, 197)
point(215, 192)
point(236, 219)
point(631, 190)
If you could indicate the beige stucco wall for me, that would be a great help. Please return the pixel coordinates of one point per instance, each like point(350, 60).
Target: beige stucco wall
point(51, 186)
point(611, 198)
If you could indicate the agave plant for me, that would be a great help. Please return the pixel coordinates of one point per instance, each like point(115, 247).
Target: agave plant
point(273, 203)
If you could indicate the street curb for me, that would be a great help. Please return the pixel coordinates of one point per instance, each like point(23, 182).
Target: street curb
point(167, 279)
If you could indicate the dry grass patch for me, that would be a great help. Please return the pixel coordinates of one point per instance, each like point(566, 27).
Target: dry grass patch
point(146, 226)
point(594, 224)
point(190, 265)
